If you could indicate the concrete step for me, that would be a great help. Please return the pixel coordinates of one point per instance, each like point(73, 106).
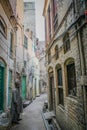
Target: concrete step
point(5, 124)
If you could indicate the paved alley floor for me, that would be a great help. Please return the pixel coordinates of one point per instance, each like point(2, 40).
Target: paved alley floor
point(31, 117)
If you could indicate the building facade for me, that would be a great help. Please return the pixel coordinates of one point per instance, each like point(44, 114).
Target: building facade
point(40, 54)
point(31, 66)
point(7, 53)
point(11, 39)
point(29, 19)
point(66, 30)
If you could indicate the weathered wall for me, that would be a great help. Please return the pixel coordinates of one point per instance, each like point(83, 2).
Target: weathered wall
point(71, 114)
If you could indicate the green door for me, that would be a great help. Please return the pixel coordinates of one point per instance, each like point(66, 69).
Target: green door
point(24, 87)
point(1, 88)
point(9, 87)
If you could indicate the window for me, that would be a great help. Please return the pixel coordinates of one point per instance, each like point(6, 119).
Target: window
point(49, 22)
point(71, 79)
point(66, 42)
point(25, 64)
point(49, 57)
point(54, 7)
point(46, 30)
point(2, 27)
point(61, 97)
point(56, 52)
point(55, 16)
point(11, 44)
point(60, 88)
point(25, 42)
point(59, 75)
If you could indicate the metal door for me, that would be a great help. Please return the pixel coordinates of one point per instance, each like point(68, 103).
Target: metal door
point(24, 87)
point(1, 88)
point(9, 87)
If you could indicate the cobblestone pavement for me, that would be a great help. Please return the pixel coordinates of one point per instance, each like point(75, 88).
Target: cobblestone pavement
point(31, 117)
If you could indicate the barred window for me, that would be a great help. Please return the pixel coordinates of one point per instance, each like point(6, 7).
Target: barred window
point(11, 44)
point(49, 22)
point(59, 76)
point(3, 27)
point(61, 96)
point(25, 42)
point(71, 78)
point(66, 42)
point(60, 87)
point(55, 15)
point(56, 52)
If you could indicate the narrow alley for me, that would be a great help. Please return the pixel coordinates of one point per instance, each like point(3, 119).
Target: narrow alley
point(31, 117)
point(43, 64)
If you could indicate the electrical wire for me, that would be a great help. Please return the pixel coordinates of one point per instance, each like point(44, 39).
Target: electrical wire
point(68, 39)
point(61, 35)
point(7, 52)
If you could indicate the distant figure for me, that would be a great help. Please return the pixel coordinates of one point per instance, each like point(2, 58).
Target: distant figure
point(16, 104)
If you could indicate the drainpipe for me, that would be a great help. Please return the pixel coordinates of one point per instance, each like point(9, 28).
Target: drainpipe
point(83, 67)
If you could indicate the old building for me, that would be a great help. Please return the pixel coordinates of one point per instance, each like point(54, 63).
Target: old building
point(40, 54)
point(11, 39)
point(31, 66)
point(29, 18)
point(7, 53)
point(30, 26)
point(20, 72)
point(66, 52)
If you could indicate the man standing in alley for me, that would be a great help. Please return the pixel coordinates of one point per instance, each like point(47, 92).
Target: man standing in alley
point(16, 104)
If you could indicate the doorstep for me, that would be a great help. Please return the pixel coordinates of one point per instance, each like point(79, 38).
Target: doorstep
point(50, 116)
point(5, 124)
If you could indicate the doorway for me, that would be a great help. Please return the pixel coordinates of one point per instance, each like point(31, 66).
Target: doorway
point(9, 87)
point(1, 88)
point(51, 85)
point(23, 87)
